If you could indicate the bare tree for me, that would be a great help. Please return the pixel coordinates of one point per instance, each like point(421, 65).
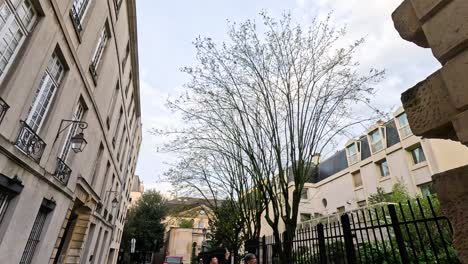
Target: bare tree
point(268, 101)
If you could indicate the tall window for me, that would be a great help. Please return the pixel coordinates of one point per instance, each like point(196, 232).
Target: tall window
point(117, 3)
point(404, 128)
point(74, 128)
point(357, 179)
point(418, 155)
point(97, 164)
point(128, 84)
point(78, 11)
point(383, 168)
point(17, 18)
point(45, 92)
point(113, 101)
point(353, 153)
point(4, 201)
point(304, 195)
point(116, 132)
point(127, 52)
point(35, 235)
point(97, 56)
point(376, 139)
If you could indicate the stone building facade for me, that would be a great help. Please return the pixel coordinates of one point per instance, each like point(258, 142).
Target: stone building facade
point(137, 190)
point(68, 74)
point(438, 106)
point(388, 153)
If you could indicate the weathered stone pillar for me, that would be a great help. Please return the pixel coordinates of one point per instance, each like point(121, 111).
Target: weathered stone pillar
point(438, 106)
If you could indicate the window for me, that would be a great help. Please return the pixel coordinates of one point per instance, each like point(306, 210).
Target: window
point(418, 155)
point(127, 53)
point(101, 44)
point(201, 224)
point(353, 153)
point(116, 132)
point(117, 3)
point(17, 18)
point(306, 217)
point(36, 232)
point(340, 209)
point(45, 92)
point(4, 201)
point(404, 128)
point(427, 189)
point(362, 203)
point(357, 179)
point(128, 84)
point(304, 194)
point(97, 164)
point(383, 167)
point(112, 104)
point(74, 128)
point(78, 11)
point(376, 140)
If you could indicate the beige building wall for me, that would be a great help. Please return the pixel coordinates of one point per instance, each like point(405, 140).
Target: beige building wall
point(71, 212)
point(136, 190)
point(179, 241)
point(338, 191)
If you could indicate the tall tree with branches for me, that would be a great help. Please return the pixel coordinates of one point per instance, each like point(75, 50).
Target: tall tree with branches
point(268, 101)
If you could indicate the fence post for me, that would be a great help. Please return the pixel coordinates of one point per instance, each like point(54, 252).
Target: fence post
point(321, 244)
point(264, 251)
point(398, 234)
point(348, 239)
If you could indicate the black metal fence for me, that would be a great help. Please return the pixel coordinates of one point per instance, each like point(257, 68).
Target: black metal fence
point(411, 232)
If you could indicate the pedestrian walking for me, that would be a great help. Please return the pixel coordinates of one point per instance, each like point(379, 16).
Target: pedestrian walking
point(250, 258)
point(213, 260)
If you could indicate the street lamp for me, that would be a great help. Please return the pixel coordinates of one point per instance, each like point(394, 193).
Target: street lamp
point(204, 230)
point(114, 202)
point(78, 141)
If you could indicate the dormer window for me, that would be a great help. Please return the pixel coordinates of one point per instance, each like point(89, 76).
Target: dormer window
point(353, 152)
point(403, 126)
point(376, 138)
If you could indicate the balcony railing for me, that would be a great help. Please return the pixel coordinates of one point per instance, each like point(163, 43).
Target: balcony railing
point(3, 109)
point(63, 172)
point(76, 19)
point(30, 143)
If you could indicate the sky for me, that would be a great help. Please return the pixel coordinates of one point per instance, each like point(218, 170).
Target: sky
point(167, 28)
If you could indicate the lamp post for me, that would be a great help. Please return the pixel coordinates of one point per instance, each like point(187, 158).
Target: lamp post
point(78, 141)
point(114, 202)
point(204, 239)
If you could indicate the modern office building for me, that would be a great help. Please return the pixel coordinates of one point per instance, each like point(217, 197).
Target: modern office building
point(386, 154)
point(70, 128)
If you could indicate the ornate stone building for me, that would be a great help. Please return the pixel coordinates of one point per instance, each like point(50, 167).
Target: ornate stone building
point(70, 128)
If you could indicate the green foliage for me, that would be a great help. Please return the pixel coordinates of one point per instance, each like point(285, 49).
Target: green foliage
point(430, 236)
point(144, 223)
point(186, 223)
point(399, 194)
point(226, 226)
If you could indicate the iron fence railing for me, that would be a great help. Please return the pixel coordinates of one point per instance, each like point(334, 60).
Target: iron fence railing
point(411, 232)
point(29, 142)
point(62, 172)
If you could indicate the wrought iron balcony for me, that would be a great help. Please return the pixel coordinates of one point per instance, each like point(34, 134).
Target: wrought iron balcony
point(63, 172)
point(76, 19)
point(30, 143)
point(3, 109)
